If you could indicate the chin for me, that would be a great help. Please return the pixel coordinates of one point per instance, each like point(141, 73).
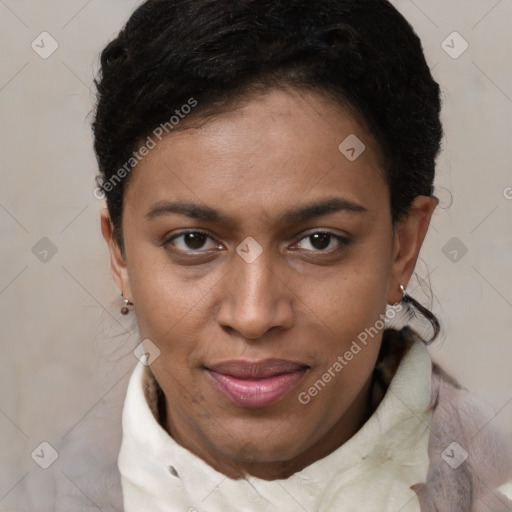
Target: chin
point(262, 449)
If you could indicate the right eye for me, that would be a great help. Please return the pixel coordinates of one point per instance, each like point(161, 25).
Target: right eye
point(190, 241)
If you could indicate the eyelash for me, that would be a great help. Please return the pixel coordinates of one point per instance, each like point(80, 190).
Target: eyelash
point(343, 241)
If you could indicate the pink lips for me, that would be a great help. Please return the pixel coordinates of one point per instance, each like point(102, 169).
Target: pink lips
point(256, 384)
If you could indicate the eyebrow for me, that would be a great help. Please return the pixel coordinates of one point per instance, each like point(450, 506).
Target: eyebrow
point(300, 214)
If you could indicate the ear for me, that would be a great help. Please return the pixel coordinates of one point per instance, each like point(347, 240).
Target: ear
point(410, 232)
point(117, 260)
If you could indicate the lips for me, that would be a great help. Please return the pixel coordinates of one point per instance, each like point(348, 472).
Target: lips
point(256, 384)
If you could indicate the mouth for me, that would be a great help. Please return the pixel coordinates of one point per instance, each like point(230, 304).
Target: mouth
point(256, 384)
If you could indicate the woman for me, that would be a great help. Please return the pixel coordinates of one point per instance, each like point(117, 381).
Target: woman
point(268, 169)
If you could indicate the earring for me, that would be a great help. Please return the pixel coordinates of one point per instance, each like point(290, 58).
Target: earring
point(408, 299)
point(404, 296)
point(125, 310)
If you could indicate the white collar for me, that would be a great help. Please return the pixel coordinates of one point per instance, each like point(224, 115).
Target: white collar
point(376, 467)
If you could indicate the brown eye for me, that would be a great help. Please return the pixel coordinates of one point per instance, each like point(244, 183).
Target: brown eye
point(322, 240)
point(194, 240)
point(190, 241)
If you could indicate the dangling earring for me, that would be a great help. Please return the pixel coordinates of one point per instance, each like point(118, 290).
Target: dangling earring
point(125, 310)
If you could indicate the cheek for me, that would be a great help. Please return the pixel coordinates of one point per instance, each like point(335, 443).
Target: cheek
point(350, 308)
point(353, 296)
point(348, 337)
point(350, 321)
point(167, 297)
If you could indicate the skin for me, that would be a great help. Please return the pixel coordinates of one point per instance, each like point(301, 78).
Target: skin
point(299, 300)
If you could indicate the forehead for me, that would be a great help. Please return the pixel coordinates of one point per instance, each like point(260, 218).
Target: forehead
point(283, 146)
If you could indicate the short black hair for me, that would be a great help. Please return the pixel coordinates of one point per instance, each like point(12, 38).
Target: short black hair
point(362, 53)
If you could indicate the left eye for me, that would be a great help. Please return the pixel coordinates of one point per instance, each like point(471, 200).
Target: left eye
point(320, 240)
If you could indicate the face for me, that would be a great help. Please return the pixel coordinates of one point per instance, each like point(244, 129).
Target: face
point(257, 252)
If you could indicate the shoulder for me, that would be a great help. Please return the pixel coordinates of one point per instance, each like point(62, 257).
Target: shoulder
point(470, 455)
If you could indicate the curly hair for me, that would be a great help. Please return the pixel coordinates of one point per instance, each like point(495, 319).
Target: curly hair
point(211, 53)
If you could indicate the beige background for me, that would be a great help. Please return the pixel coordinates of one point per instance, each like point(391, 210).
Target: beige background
point(67, 350)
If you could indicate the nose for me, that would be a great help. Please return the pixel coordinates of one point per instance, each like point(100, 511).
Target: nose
point(256, 298)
